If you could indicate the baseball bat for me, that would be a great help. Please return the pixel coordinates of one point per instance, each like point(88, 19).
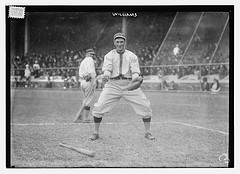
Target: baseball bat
point(77, 149)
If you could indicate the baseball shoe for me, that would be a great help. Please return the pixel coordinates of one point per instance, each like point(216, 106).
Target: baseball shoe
point(149, 136)
point(94, 137)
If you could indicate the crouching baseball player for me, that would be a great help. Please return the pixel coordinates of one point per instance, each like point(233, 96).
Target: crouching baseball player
point(87, 75)
point(121, 78)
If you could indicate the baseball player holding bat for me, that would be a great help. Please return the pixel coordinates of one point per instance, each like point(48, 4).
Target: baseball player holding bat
point(87, 75)
point(121, 75)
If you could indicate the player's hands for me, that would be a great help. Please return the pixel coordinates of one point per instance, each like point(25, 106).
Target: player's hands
point(88, 78)
point(105, 78)
point(135, 83)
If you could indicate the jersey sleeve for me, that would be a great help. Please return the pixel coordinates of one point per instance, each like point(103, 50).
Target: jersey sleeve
point(81, 71)
point(134, 65)
point(91, 68)
point(107, 65)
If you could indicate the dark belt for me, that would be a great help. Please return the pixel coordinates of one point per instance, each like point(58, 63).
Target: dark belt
point(120, 77)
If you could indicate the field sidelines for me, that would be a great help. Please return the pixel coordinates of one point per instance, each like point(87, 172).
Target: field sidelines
point(166, 122)
point(199, 127)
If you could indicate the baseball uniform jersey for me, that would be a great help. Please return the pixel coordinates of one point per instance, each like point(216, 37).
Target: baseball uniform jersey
point(86, 68)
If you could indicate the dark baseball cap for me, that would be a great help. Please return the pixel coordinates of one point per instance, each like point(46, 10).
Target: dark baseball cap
point(119, 35)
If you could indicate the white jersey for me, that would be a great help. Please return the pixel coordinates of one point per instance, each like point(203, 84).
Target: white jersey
point(176, 50)
point(36, 66)
point(27, 73)
point(130, 64)
point(87, 67)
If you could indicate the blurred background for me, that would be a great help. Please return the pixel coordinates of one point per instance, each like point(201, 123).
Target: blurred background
point(179, 47)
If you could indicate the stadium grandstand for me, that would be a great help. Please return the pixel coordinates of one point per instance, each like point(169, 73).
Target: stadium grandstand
point(56, 40)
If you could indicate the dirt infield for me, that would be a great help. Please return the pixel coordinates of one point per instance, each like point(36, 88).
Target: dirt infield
point(191, 130)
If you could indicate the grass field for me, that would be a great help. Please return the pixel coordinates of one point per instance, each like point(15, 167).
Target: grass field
point(188, 133)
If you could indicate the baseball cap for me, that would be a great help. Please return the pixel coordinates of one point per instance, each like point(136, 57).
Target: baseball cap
point(90, 50)
point(119, 35)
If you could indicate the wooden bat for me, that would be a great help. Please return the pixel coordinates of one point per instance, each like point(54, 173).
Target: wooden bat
point(77, 149)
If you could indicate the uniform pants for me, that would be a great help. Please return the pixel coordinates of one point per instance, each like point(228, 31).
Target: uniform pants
point(113, 91)
point(88, 90)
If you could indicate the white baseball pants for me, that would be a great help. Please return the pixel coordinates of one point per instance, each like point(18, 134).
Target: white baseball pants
point(112, 93)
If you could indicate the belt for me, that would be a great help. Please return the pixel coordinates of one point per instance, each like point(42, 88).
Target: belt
point(120, 77)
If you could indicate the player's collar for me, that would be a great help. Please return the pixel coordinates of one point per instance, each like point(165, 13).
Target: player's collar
point(120, 52)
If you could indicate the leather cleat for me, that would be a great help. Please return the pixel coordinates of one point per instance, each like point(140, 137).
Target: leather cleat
point(94, 137)
point(149, 136)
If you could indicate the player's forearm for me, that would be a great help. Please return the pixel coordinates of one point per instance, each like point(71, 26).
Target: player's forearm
point(134, 67)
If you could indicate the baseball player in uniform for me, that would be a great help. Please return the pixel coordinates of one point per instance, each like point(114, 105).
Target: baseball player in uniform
point(87, 76)
point(120, 66)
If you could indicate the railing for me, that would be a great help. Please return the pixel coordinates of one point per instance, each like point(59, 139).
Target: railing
point(187, 74)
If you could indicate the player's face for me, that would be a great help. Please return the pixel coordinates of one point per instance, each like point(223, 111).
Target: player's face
point(91, 54)
point(119, 44)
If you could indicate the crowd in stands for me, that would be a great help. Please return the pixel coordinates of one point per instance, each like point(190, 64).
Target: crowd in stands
point(146, 39)
point(53, 64)
point(65, 63)
point(172, 53)
point(69, 59)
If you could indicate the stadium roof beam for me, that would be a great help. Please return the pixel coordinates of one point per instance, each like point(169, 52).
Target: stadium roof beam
point(181, 60)
point(165, 38)
point(219, 40)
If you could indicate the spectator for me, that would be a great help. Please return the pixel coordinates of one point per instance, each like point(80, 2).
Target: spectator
point(160, 76)
point(196, 72)
point(215, 87)
point(49, 83)
point(204, 71)
point(205, 85)
point(160, 73)
point(27, 75)
point(197, 38)
point(35, 85)
point(71, 83)
point(197, 41)
point(21, 82)
point(16, 82)
point(36, 69)
point(176, 50)
point(66, 82)
point(173, 86)
point(165, 85)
